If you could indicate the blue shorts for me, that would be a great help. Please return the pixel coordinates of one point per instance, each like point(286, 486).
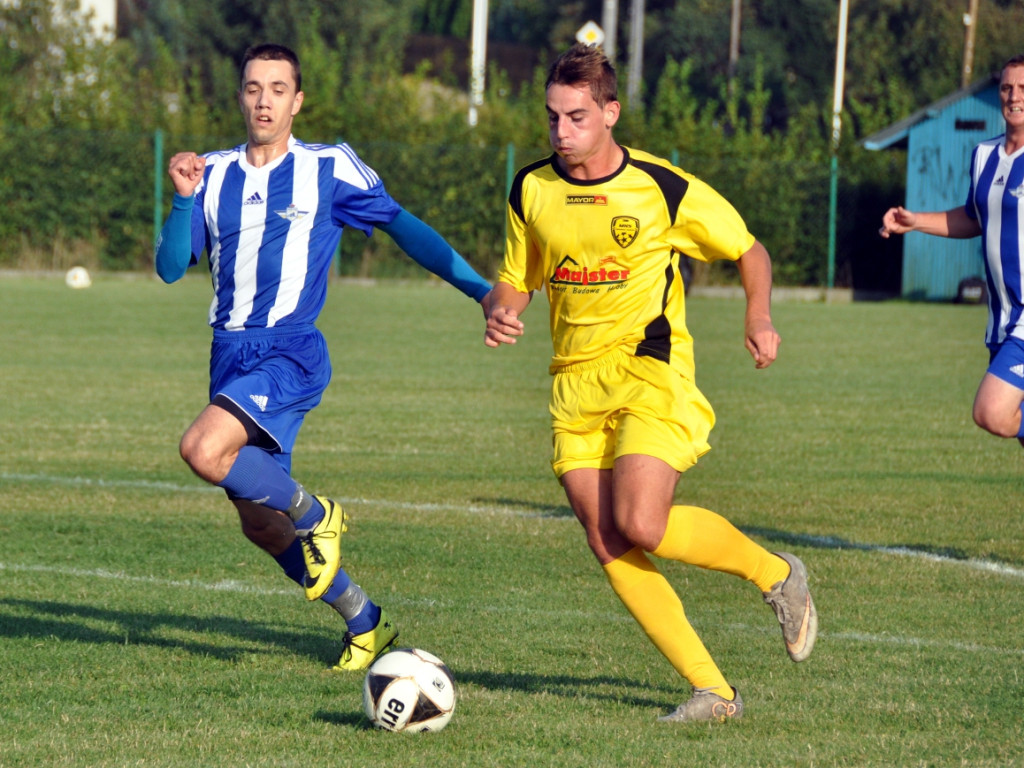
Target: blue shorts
point(1006, 362)
point(275, 376)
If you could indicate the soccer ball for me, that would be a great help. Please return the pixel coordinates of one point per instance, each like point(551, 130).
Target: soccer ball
point(409, 690)
point(78, 277)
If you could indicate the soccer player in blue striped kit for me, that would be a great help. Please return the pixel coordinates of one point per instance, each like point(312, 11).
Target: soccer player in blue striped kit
point(269, 213)
point(994, 209)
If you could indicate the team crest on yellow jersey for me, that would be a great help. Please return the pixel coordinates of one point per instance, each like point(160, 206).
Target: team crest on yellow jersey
point(625, 229)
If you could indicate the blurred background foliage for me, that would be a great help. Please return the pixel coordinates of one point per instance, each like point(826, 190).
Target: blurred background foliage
point(83, 117)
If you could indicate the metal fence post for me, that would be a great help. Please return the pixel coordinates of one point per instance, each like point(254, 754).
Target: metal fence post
point(158, 183)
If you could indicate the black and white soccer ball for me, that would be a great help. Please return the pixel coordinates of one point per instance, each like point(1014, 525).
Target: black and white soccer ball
point(409, 690)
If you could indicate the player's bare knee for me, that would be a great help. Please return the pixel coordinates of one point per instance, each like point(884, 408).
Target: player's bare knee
point(187, 448)
point(998, 424)
point(200, 457)
point(640, 531)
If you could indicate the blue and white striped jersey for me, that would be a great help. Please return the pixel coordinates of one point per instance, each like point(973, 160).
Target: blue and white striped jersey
point(271, 232)
point(996, 200)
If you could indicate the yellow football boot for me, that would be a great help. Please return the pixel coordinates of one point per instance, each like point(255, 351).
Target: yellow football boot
point(321, 549)
point(359, 651)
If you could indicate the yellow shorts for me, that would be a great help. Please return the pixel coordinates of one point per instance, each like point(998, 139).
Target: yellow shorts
point(620, 404)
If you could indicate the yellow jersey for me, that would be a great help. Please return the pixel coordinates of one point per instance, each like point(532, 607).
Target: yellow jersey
point(607, 254)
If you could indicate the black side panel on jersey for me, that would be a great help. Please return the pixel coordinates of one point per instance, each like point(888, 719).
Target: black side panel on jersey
point(515, 195)
point(657, 341)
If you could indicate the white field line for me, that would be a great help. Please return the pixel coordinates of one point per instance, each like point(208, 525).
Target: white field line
point(862, 637)
point(121, 576)
point(826, 542)
point(829, 542)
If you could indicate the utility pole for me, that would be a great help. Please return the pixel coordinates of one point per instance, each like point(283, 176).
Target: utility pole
point(478, 59)
point(609, 20)
point(734, 43)
point(636, 52)
point(971, 22)
point(837, 126)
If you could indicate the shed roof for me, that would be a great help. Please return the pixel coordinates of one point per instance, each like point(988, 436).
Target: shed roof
point(898, 132)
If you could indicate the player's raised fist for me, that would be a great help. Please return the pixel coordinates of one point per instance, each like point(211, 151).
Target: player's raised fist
point(186, 171)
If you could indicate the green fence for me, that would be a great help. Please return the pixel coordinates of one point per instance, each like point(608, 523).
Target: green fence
point(98, 198)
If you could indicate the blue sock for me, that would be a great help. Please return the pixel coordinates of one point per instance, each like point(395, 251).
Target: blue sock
point(256, 477)
point(312, 517)
point(366, 620)
point(338, 586)
point(294, 566)
point(293, 563)
point(368, 615)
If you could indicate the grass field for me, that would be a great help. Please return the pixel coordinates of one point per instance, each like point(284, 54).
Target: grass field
point(139, 628)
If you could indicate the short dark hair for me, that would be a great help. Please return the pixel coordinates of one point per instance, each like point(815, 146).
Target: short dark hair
point(272, 52)
point(586, 64)
point(1013, 61)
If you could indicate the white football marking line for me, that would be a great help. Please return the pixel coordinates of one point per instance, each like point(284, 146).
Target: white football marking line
point(154, 485)
point(827, 542)
point(229, 585)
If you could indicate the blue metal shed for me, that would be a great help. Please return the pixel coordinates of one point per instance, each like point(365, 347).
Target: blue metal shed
point(939, 139)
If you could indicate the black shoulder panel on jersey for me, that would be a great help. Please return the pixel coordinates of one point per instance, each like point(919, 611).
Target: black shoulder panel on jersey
point(515, 195)
point(673, 186)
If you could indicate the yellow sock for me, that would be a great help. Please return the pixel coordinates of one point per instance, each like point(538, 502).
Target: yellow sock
point(702, 538)
point(657, 609)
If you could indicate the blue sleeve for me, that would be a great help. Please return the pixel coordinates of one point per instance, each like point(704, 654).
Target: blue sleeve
point(431, 251)
point(174, 247)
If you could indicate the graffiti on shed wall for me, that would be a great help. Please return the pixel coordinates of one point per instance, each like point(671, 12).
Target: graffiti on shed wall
point(943, 179)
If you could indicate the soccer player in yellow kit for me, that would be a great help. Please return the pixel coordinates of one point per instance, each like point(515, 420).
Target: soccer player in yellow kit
point(602, 228)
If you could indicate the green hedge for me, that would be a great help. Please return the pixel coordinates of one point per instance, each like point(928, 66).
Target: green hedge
point(75, 196)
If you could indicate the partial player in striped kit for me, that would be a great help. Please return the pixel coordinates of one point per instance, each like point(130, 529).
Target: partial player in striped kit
point(269, 214)
point(994, 210)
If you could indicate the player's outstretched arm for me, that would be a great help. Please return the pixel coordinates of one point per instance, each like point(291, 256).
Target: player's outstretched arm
point(431, 251)
point(503, 323)
point(761, 338)
point(954, 223)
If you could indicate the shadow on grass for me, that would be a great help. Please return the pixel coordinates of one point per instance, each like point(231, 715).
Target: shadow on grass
point(230, 638)
point(835, 542)
point(517, 505)
point(566, 686)
point(347, 719)
point(571, 686)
